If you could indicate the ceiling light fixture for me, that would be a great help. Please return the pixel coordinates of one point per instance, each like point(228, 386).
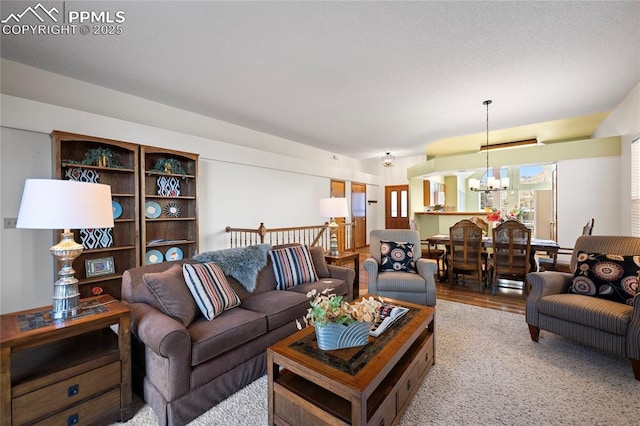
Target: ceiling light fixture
point(387, 160)
point(492, 184)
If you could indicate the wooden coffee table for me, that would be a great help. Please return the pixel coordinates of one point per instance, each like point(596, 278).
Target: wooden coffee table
point(371, 384)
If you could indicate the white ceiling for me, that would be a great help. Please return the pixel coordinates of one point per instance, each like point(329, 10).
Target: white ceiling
point(358, 78)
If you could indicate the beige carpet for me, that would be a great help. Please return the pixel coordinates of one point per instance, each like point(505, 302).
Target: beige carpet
point(487, 372)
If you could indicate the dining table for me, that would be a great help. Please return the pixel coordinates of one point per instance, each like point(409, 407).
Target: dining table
point(538, 245)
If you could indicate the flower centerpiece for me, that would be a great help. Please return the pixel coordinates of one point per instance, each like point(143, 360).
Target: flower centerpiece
point(338, 324)
point(495, 215)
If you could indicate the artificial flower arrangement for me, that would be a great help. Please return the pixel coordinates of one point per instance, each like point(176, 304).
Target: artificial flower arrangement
point(168, 166)
point(327, 307)
point(103, 157)
point(496, 215)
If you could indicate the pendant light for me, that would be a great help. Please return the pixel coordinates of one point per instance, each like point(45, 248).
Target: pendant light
point(492, 184)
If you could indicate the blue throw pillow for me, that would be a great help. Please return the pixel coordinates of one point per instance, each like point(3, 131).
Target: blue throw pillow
point(397, 257)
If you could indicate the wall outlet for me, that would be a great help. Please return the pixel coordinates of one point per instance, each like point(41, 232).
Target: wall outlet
point(10, 222)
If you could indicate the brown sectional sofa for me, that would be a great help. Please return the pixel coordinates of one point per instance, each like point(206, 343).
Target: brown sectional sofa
point(182, 371)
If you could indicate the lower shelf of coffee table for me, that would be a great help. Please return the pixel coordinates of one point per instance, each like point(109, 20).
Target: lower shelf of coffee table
point(300, 401)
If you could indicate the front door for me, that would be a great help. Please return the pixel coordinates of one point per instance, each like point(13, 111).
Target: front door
point(359, 214)
point(396, 207)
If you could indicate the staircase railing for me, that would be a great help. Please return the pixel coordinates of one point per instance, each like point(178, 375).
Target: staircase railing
point(312, 235)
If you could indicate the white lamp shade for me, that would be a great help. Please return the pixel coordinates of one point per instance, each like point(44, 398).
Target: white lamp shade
point(65, 204)
point(492, 182)
point(334, 207)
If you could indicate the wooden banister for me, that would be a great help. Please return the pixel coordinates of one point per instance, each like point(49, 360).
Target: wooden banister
point(311, 235)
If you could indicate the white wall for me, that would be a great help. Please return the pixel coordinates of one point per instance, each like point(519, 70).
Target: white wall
point(242, 196)
point(624, 120)
point(26, 266)
point(585, 192)
point(240, 185)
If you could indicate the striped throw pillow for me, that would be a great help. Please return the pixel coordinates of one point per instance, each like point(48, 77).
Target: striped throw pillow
point(209, 288)
point(293, 266)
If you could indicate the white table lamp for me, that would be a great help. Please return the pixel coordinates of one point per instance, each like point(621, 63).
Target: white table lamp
point(65, 204)
point(332, 208)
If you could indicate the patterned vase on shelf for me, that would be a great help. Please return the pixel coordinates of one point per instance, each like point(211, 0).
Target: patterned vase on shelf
point(168, 186)
point(96, 238)
point(331, 336)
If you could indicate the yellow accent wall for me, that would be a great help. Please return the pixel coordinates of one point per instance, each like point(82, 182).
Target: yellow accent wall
point(540, 154)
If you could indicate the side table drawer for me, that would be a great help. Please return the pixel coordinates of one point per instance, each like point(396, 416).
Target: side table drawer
point(104, 409)
point(52, 398)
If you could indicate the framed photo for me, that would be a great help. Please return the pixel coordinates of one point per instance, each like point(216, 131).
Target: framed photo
point(101, 266)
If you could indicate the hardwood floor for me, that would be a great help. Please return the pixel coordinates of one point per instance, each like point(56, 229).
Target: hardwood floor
point(509, 300)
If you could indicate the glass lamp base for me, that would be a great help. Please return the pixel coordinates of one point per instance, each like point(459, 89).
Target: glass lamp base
point(66, 296)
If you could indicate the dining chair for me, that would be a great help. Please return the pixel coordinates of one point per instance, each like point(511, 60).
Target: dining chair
point(561, 260)
point(481, 223)
point(465, 252)
point(485, 229)
point(511, 243)
point(431, 251)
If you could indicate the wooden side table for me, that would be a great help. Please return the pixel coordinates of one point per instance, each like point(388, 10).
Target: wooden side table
point(72, 371)
point(343, 258)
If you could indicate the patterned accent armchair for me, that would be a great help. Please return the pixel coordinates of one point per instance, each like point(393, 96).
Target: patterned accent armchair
point(417, 288)
point(603, 324)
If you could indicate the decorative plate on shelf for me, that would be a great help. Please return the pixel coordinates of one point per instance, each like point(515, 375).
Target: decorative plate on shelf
point(152, 209)
point(174, 253)
point(117, 209)
point(154, 256)
point(172, 210)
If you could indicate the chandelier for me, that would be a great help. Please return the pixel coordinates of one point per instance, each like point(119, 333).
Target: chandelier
point(492, 184)
point(387, 160)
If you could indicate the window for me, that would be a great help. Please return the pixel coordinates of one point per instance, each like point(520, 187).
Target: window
point(535, 174)
point(635, 188)
point(394, 203)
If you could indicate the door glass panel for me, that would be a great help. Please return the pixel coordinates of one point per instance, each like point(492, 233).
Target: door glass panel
point(404, 204)
point(394, 204)
point(358, 204)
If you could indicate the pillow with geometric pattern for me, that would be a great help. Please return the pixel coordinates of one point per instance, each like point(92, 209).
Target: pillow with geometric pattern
point(607, 276)
point(396, 256)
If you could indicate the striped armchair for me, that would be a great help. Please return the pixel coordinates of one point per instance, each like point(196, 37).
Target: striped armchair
point(600, 323)
point(417, 288)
